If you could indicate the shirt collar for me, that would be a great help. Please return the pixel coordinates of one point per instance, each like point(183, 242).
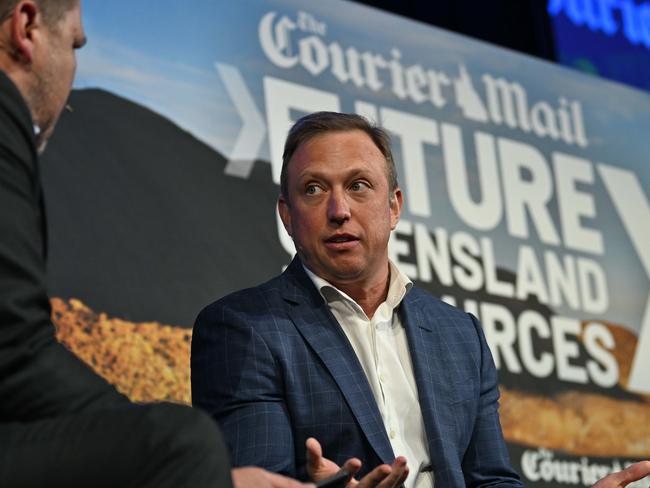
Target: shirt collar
point(398, 287)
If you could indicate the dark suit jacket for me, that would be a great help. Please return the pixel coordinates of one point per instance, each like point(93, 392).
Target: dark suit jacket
point(273, 367)
point(39, 377)
point(43, 386)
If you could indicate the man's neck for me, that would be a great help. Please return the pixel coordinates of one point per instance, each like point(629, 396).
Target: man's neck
point(368, 295)
point(369, 300)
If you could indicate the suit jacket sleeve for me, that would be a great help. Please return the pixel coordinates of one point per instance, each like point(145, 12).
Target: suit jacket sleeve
point(486, 461)
point(38, 376)
point(235, 378)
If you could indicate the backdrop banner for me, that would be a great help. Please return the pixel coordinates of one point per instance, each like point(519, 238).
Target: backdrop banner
point(526, 201)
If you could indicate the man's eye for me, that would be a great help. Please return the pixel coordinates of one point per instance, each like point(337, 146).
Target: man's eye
point(312, 190)
point(359, 186)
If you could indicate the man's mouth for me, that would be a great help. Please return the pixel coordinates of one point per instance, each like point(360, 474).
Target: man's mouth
point(341, 242)
point(341, 238)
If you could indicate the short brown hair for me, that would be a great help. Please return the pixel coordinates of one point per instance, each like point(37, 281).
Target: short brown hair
point(318, 123)
point(52, 10)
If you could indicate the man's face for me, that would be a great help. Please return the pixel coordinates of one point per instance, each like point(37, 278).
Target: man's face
point(340, 211)
point(54, 66)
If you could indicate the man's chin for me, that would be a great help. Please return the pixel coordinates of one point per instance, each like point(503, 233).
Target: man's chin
point(344, 274)
point(342, 269)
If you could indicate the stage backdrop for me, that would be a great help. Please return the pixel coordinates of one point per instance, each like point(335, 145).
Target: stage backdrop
point(526, 201)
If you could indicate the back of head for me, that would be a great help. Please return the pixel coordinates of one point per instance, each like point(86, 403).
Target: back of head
point(52, 10)
point(38, 39)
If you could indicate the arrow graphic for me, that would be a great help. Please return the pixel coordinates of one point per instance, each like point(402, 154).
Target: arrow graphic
point(632, 205)
point(253, 129)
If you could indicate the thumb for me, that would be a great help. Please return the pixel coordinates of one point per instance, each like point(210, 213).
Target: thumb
point(314, 454)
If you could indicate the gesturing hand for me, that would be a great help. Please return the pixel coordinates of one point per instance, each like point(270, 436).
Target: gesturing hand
point(633, 472)
point(383, 476)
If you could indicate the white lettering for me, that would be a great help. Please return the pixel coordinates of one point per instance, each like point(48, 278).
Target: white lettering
point(575, 205)
point(632, 206)
point(275, 42)
point(528, 322)
point(432, 254)
point(501, 334)
point(486, 214)
point(527, 185)
point(593, 286)
point(562, 281)
point(492, 284)
point(565, 350)
point(598, 343)
point(468, 272)
point(398, 248)
point(530, 280)
point(414, 131)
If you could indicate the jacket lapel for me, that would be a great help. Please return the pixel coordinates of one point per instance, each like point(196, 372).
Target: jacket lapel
point(432, 376)
point(322, 332)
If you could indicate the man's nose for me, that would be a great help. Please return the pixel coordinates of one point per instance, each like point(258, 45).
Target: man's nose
point(338, 209)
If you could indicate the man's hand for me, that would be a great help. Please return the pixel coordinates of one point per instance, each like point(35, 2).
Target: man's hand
point(634, 472)
point(252, 477)
point(320, 468)
point(383, 476)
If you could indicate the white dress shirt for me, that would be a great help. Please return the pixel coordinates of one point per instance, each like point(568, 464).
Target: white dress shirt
point(382, 348)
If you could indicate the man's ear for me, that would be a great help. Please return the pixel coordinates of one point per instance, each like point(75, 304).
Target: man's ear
point(26, 19)
point(396, 202)
point(285, 214)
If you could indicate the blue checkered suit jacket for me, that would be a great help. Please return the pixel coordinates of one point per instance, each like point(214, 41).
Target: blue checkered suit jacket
point(273, 367)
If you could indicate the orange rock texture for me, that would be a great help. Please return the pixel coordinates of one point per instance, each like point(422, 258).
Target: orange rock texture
point(149, 361)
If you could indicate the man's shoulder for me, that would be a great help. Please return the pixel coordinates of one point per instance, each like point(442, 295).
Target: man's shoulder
point(253, 300)
point(15, 121)
point(453, 324)
point(424, 298)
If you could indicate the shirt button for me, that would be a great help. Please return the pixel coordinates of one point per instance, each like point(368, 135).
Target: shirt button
point(392, 434)
point(381, 377)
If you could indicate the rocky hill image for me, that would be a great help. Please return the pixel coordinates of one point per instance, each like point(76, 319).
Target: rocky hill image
point(143, 222)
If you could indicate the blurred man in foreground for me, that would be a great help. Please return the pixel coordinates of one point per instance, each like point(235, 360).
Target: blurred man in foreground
point(342, 347)
point(61, 424)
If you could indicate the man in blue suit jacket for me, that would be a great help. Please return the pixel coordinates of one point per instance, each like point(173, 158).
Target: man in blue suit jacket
point(286, 361)
point(273, 365)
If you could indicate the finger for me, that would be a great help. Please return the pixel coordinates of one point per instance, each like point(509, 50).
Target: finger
point(633, 472)
point(622, 478)
point(314, 454)
point(400, 478)
point(399, 472)
point(375, 477)
point(352, 466)
point(403, 478)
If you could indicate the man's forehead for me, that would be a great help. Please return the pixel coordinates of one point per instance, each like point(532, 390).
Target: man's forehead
point(325, 171)
point(327, 159)
point(331, 142)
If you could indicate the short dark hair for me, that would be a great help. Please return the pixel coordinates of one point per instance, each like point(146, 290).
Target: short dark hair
point(52, 10)
point(318, 123)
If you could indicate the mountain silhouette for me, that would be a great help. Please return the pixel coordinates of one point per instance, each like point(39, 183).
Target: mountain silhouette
point(143, 222)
